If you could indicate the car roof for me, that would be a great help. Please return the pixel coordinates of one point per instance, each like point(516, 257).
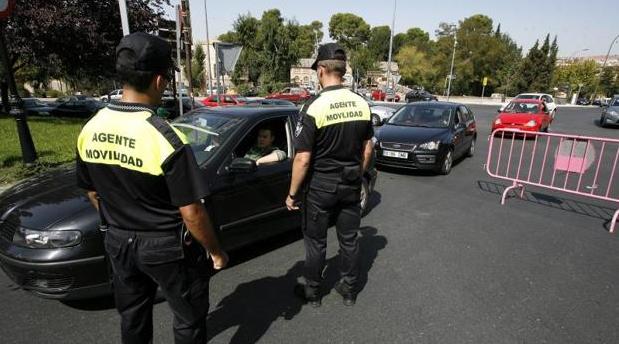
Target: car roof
point(534, 94)
point(535, 101)
point(247, 112)
point(434, 103)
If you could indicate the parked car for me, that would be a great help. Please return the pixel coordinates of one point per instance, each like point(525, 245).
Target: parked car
point(426, 136)
point(296, 95)
point(385, 95)
point(420, 95)
point(547, 98)
point(610, 113)
point(115, 95)
point(582, 101)
point(171, 109)
point(226, 100)
point(268, 102)
point(76, 106)
point(379, 113)
point(524, 114)
point(50, 243)
point(35, 107)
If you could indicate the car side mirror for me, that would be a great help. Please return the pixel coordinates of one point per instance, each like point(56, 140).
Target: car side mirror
point(242, 165)
point(383, 121)
point(498, 110)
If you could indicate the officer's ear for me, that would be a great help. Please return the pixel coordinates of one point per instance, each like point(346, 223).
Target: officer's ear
point(161, 82)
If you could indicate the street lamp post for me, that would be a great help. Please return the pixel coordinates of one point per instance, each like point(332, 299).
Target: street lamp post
point(451, 70)
point(390, 50)
point(208, 53)
point(604, 66)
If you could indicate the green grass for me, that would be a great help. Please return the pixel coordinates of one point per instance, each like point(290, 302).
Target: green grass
point(54, 139)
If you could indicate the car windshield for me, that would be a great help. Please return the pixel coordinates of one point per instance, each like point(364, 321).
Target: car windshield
point(33, 102)
point(522, 108)
point(206, 132)
point(426, 115)
point(527, 96)
point(615, 102)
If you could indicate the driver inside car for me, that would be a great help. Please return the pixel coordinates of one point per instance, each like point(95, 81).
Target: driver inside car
point(263, 152)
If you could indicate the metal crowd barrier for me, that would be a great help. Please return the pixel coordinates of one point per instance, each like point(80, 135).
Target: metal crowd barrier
point(579, 165)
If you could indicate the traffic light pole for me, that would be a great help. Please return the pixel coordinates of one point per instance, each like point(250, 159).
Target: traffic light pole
point(178, 60)
point(29, 153)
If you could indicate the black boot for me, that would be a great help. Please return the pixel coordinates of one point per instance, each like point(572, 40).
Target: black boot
point(313, 298)
point(349, 297)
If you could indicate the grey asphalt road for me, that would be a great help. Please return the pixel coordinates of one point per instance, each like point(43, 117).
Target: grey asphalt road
point(443, 262)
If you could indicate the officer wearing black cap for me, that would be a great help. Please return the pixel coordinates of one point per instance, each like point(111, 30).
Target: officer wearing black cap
point(333, 150)
point(142, 176)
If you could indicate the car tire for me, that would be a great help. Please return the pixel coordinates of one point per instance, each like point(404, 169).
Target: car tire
point(602, 121)
point(375, 120)
point(471, 150)
point(448, 162)
point(365, 196)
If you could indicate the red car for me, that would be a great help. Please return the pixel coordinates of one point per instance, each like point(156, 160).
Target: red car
point(226, 100)
point(381, 95)
point(524, 114)
point(293, 94)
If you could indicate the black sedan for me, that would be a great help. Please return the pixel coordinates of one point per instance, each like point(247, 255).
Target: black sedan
point(426, 136)
point(420, 96)
point(35, 107)
point(76, 106)
point(50, 243)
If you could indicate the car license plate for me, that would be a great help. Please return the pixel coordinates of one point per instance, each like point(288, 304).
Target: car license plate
point(392, 154)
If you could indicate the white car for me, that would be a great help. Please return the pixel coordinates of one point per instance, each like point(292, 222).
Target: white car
point(379, 113)
point(114, 95)
point(547, 98)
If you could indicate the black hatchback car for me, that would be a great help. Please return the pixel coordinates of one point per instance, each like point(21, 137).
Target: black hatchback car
point(426, 136)
point(420, 95)
point(50, 243)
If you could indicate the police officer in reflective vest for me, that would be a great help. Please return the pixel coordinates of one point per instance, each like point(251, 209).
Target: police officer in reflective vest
point(143, 178)
point(333, 150)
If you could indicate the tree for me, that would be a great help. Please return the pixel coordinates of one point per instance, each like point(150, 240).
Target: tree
point(578, 73)
point(197, 68)
point(74, 39)
point(609, 81)
point(361, 61)
point(349, 30)
point(271, 45)
point(378, 42)
point(415, 67)
point(307, 39)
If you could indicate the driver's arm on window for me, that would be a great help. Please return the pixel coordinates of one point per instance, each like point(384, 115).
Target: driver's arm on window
point(274, 156)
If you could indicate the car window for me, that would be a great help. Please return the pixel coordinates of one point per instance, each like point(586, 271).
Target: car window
point(206, 132)
point(249, 146)
point(286, 91)
point(518, 107)
point(423, 115)
point(465, 113)
point(228, 99)
point(527, 96)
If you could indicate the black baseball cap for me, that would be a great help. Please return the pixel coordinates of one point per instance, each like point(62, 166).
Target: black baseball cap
point(329, 51)
point(144, 52)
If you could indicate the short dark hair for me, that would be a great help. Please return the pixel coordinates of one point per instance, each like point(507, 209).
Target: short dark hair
point(269, 129)
point(138, 80)
point(334, 66)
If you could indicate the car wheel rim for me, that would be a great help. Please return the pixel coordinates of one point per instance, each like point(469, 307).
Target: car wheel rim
point(364, 197)
point(447, 165)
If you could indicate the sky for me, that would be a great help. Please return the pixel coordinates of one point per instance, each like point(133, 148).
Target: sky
point(579, 25)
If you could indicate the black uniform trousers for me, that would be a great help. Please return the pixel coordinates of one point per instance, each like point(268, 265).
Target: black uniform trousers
point(141, 261)
point(327, 201)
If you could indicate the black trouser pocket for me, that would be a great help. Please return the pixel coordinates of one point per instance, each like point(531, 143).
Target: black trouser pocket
point(158, 250)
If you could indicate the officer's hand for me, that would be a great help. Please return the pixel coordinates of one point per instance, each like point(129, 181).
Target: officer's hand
point(220, 260)
point(290, 204)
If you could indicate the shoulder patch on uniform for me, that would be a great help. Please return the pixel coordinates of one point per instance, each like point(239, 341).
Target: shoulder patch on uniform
point(166, 130)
